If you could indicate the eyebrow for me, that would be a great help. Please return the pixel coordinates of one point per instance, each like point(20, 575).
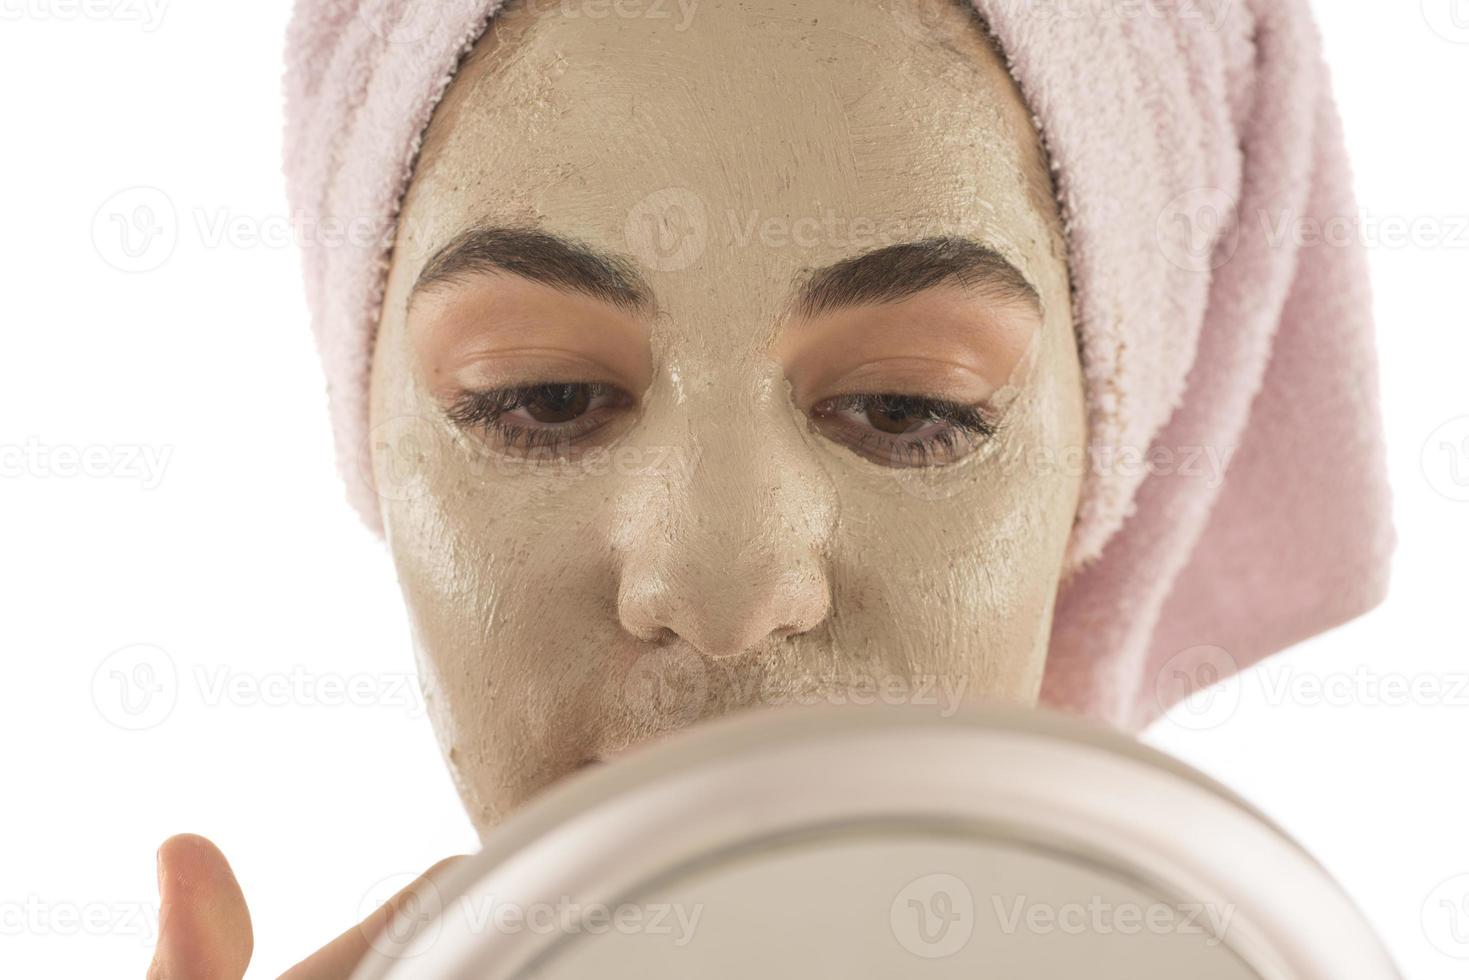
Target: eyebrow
point(538, 256)
point(896, 272)
point(884, 275)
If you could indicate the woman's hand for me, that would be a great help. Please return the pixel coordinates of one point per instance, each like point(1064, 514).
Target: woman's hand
point(204, 925)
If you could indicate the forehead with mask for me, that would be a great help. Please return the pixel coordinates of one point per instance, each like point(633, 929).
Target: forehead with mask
point(722, 350)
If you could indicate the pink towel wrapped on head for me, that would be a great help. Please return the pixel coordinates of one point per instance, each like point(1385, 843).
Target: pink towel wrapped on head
point(1236, 499)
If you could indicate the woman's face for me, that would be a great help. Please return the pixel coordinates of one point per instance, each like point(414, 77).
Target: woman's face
point(724, 350)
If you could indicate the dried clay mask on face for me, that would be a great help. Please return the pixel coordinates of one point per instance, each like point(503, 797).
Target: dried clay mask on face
point(739, 372)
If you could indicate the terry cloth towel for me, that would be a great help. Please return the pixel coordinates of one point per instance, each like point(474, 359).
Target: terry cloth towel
point(1235, 501)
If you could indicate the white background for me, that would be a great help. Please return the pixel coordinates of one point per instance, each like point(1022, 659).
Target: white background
point(237, 561)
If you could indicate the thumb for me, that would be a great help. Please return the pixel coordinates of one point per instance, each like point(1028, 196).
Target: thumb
point(204, 927)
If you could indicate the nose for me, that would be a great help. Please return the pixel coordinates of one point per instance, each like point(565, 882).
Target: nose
point(722, 609)
point(731, 556)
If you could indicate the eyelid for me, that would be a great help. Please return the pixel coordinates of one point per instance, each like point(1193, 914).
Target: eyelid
point(939, 342)
point(525, 368)
point(937, 380)
point(504, 331)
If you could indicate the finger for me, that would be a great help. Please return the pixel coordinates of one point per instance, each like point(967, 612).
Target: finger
point(204, 925)
point(338, 958)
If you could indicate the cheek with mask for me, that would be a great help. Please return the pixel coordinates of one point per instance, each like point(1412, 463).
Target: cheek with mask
point(715, 374)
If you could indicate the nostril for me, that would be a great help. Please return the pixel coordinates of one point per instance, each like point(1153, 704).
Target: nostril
point(721, 613)
point(660, 636)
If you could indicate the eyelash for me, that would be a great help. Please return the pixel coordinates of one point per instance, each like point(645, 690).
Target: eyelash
point(487, 410)
point(968, 425)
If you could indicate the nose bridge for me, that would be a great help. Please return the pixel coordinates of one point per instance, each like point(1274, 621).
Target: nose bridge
point(737, 553)
point(752, 480)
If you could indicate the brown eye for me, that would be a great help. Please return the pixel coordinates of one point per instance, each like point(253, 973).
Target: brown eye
point(559, 403)
point(557, 417)
point(894, 416)
point(904, 430)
